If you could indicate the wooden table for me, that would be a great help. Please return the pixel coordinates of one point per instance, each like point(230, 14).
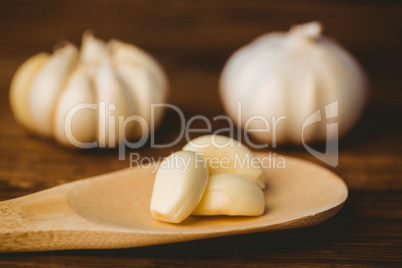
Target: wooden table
point(193, 41)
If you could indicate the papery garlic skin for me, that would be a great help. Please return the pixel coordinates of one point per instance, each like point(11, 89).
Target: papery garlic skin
point(118, 81)
point(293, 74)
point(179, 185)
point(227, 155)
point(233, 195)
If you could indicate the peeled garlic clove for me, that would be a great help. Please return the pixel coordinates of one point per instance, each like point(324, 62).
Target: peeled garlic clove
point(20, 86)
point(179, 185)
point(113, 106)
point(74, 120)
point(229, 194)
point(226, 155)
point(47, 85)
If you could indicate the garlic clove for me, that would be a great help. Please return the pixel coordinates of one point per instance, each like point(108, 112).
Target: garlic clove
point(20, 86)
point(351, 90)
point(73, 121)
point(94, 52)
point(114, 106)
point(124, 55)
point(229, 194)
point(137, 83)
point(226, 155)
point(179, 184)
point(121, 53)
point(47, 85)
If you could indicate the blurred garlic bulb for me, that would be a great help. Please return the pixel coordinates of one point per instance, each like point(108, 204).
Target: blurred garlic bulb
point(293, 75)
point(83, 97)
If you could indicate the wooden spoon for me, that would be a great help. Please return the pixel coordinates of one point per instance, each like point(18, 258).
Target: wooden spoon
point(112, 210)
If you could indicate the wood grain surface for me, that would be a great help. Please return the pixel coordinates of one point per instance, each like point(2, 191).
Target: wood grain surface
point(192, 40)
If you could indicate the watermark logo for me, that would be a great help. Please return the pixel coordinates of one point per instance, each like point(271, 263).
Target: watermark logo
point(224, 164)
point(330, 156)
point(111, 129)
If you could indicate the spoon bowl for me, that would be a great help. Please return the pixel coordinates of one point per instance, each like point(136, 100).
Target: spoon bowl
point(112, 211)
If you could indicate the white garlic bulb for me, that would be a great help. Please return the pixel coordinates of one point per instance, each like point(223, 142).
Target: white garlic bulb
point(82, 97)
point(286, 78)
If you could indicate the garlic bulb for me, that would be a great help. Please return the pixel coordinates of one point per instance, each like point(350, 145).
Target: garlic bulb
point(275, 85)
point(85, 98)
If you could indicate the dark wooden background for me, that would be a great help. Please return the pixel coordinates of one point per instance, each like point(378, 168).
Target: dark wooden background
point(192, 40)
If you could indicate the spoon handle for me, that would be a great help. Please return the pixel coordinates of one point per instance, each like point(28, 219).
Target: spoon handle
point(38, 221)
